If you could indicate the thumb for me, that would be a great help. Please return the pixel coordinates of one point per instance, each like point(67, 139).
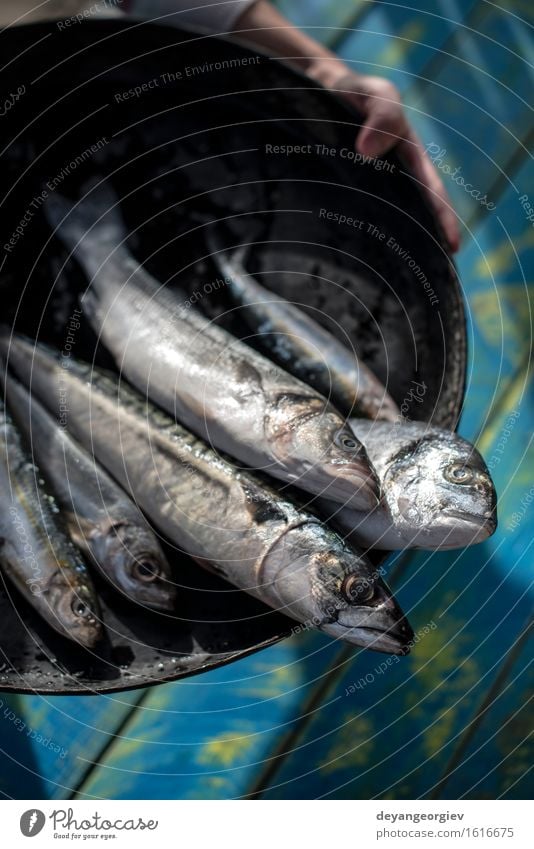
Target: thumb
point(382, 129)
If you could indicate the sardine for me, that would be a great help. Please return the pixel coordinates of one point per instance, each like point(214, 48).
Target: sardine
point(437, 490)
point(226, 520)
point(101, 519)
point(302, 346)
point(214, 384)
point(35, 552)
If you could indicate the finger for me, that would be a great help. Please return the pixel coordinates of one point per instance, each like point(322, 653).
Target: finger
point(413, 154)
point(385, 124)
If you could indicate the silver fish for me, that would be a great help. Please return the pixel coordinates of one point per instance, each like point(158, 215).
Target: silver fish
point(437, 490)
point(302, 346)
point(218, 387)
point(35, 552)
point(101, 519)
point(226, 520)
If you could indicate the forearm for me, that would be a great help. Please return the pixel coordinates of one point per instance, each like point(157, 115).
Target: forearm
point(265, 26)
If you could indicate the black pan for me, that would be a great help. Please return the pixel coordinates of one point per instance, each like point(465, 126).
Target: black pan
point(204, 143)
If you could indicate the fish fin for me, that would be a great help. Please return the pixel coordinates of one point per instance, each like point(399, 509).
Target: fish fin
point(229, 263)
point(239, 258)
point(90, 227)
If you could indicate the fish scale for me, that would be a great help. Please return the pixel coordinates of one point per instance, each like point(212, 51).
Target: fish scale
point(301, 345)
point(437, 492)
point(101, 520)
point(35, 552)
point(225, 519)
point(210, 381)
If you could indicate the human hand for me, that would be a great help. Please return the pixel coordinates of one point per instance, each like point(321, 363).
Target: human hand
point(386, 126)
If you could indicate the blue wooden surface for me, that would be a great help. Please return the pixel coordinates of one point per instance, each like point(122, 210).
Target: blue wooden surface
point(296, 720)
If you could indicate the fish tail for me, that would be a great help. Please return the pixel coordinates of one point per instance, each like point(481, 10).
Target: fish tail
point(232, 267)
point(90, 228)
point(239, 259)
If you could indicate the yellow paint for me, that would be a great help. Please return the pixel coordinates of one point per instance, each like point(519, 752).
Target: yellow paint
point(211, 787)
point(434, 695)
point(215, 781)
point(509, 401)
point(503, 258)
point(276, 683)
point(352, 747)
point(227, 748)
point(400, 45)
point(38, 714)
point(516, 734)
point(523, 8)
point(504, 321)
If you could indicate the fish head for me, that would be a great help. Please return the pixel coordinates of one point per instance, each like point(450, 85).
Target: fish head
point(319, 451)
point(136, 565)
point(440, 488)
point(74, 609)
point(324, 583)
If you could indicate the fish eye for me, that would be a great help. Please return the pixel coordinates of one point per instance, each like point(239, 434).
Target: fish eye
point(357, 590)
point(457, 473)
point(346, 442)
point(146, 571)
point(81, 609)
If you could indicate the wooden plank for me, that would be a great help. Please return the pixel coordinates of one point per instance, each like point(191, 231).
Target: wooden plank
point(467, 87)
point(500, 732)
point(224, 766)
point(496, 265)
point(19, 773)
point(398, 42)
point(206, 737)
point(406, 720)
point(390, 732)
point(466, 74)
point(390, 728)
point(478, 108)
point(324, 20)
point(42, 738)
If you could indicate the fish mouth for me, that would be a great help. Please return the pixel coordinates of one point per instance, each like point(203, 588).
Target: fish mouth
point(473, 518)
point(484, 525)
point(396, 639)
point(354, 485)
point(387, 642)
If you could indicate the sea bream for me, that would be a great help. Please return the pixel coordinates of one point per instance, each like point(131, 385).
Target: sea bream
point(231, 396)
point(301, 345)
point(437, 492)
point(227, 520)
point(100, 518)
point(35, 552)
